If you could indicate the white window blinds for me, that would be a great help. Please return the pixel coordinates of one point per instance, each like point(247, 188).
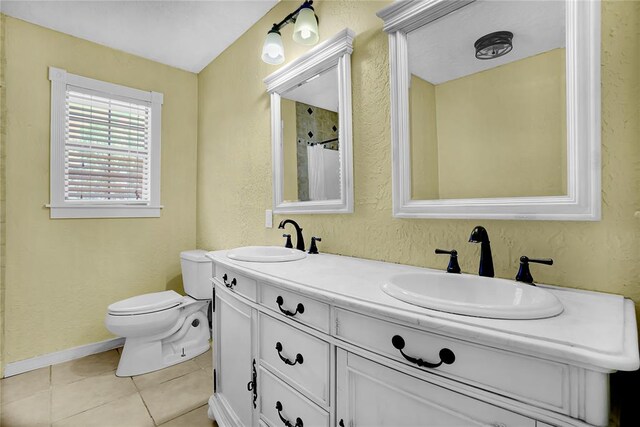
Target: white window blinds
point(106, 141)
point(106, 148)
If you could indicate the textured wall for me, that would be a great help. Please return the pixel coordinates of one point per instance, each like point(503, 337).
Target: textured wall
point(2, 191)
point(234, 164)
point(62, 274)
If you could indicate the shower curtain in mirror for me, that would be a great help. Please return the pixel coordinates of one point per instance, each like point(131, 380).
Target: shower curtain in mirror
point(317, 179)
point(323, 167)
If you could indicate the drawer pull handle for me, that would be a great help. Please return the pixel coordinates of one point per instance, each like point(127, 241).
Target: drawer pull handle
point(253, 384)
point(299, 358)
point(286, 421)
point(229, 285)
point(446, 356)
point(299, 308)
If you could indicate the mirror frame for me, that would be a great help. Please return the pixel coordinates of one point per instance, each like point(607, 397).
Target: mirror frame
point(583, 199)
point(335, 52)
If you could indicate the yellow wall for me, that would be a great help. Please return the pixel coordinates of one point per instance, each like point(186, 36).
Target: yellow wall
point(508, 135)
point(500, 132)
point(2, 191)
point(425, 184)
point(62, 274)
point(234, 173)
point(290, 149)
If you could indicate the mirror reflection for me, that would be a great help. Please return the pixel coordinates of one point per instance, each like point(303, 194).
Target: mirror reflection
point(311, 143)
point(487, 102)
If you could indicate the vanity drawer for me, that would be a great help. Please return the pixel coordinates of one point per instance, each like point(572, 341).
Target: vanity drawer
point(275, 394)
point(371, 394)
point(297, 307)
point(236, 282)
point(541, 382)
point(310, 370)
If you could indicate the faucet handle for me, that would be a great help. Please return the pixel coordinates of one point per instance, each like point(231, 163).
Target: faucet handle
point(546, 261)
point(288, 244)
point(524, 273)
point(453, 266)
point(314, 248)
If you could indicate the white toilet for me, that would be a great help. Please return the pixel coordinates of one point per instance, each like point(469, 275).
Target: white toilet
point(165, 328)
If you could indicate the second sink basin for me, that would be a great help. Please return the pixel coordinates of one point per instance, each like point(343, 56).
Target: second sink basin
point(265, 254)
point(473, 295)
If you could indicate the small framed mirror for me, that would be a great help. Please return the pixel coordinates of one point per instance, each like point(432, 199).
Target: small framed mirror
point(495, 109)
point(311, 130)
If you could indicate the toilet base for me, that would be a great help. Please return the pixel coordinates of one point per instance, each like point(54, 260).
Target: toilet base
point(144, 355)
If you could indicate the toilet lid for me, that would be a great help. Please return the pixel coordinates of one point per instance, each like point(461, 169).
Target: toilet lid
point(146, 303)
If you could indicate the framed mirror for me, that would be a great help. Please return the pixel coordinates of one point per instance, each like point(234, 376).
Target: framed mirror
point(495, 109)
point(311, 130)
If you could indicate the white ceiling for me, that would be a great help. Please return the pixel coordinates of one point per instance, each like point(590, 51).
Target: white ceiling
point(321, 91)
point(183, 34)
point(443, 50)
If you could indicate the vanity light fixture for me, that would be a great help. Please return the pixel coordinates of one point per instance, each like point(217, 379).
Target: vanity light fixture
point(494, 45)
point(305, 31)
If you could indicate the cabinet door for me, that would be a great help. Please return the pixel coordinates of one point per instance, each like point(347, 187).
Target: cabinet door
point(371, 394)
point(234, 357)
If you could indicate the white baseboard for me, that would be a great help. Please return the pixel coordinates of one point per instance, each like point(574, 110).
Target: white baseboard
point(22, 366)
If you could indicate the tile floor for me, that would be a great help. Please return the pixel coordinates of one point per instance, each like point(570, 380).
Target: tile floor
point(86, 392)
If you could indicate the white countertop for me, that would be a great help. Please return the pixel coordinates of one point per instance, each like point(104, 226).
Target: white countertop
point(596, 330)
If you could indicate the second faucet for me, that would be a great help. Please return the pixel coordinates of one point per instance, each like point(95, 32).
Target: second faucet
point(299, 237)
point(480, 235)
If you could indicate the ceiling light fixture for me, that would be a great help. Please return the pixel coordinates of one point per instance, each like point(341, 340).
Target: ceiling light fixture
point(305, 32)
point(494, 45)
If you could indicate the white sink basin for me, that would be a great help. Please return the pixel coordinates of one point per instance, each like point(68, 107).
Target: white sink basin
point(265, 254)
point(474, 295)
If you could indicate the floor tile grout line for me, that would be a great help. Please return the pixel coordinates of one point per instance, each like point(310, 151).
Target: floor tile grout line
point(200, 368)
point(170, 379)
point(52, 386)
point(153, 420)
point(82, 379)
point(95, 407)
point(181, 415)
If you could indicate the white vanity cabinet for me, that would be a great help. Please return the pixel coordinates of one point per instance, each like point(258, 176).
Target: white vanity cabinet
point(233, 348)
point(334, 350)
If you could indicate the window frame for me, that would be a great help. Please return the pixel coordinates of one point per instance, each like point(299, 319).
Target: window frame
point(61, 208)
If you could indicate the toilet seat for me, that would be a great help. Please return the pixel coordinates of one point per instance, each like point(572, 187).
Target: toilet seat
point(147, 303)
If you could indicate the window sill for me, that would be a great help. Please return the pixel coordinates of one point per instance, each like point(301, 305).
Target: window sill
point(104, 211)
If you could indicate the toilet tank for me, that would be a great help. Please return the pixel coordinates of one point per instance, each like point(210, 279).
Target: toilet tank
point(196, 274)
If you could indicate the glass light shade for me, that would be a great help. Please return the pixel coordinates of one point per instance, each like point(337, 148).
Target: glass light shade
point(272, 50)
point(306, 28)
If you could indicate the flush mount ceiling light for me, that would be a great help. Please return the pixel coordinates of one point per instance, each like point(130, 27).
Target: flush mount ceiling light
point(305, 32)
point(494, 45)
